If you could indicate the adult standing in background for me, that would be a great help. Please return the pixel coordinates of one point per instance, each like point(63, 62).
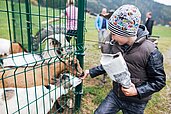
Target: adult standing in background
point(71, 13)
point(72, 16)
point(101, 26)
point(149, 22)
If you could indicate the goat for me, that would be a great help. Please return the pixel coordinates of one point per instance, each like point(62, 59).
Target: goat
point(52, 50)
point(53, 40)
point(69, 82)
point(38, 75)
point(56, 45)
point(46, 33)
point(34, 100)
point(7, 47)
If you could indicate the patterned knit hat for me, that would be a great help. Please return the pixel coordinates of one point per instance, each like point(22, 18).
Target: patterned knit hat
point(125, 21)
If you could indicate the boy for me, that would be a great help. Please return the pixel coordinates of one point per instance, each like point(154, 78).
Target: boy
point(143, 59)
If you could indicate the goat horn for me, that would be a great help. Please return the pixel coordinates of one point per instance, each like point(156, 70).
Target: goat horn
point(47, 39)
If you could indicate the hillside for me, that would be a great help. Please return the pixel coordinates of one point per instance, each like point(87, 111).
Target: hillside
point(161, 13)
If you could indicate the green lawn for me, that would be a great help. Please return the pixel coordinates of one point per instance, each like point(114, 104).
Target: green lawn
point(94, 91)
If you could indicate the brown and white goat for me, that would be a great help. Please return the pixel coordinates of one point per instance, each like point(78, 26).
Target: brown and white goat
point(39, 75)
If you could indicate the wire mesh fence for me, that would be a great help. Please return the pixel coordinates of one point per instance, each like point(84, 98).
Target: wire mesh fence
point(41, 56)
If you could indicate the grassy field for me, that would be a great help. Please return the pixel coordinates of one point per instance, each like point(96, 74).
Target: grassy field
point(94, 90)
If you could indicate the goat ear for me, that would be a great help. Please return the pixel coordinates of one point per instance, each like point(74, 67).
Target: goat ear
point(17, 47)
point(21, 48)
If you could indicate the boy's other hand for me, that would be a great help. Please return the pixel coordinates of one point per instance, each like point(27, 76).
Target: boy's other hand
point(132, 91)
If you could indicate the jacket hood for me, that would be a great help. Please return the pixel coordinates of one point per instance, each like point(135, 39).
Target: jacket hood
point(142, 33)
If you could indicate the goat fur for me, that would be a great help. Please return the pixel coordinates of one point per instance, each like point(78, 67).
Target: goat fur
point(22, 59)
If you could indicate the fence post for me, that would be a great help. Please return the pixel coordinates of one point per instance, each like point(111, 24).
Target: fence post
point(13, 19)
point(80, 29)
point(28, 20)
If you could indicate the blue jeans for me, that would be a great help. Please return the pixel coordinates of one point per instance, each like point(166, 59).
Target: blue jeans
point(102, 35)
point(112, 104)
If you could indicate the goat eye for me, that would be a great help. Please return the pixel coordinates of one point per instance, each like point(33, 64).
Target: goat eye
point(53, 42)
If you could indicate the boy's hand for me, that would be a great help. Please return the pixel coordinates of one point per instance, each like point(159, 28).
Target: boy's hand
point(132, 91)
point(86, 73)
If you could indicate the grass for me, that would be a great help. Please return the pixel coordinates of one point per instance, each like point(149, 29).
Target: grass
point(94, 90)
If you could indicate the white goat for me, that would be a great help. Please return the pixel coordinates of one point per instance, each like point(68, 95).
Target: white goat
point(38, 99)
point(6, 46)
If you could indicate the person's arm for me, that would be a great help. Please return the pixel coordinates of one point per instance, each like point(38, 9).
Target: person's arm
point(156, 76)
point(96, 71)
point(93, 72)
point(97, 22)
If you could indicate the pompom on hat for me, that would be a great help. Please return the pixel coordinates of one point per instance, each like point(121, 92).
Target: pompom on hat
point(125, 21)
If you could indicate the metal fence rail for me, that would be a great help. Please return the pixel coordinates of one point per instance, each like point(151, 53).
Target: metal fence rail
point(40, 57)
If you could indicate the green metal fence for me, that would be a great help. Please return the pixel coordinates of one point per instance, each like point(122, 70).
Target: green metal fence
point(41, 56)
